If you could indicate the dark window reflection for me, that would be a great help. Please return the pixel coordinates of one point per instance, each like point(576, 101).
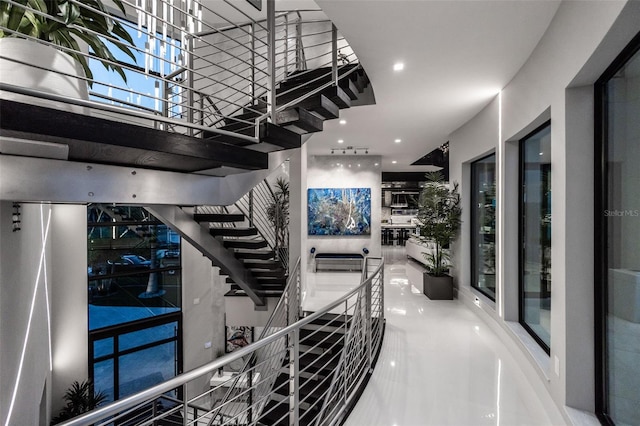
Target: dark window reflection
point(535, 231)
point(622, 253)
point(483, 223)
point(134, 265)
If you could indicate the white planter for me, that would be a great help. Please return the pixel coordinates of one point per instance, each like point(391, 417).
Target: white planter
point(26, 63)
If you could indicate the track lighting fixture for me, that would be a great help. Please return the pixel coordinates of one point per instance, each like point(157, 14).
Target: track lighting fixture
point(349, 149)
point(15, 217)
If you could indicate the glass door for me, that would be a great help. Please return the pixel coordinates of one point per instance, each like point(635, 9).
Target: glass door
point(535, 235)
point(618, 240)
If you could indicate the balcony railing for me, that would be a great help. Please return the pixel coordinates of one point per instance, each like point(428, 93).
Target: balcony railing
point(200, 64)
point(248, 395)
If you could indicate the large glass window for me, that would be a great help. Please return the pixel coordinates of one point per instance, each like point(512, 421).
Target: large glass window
point(132, 357)
point(535, 235)
point(134, 275)
point(618, 239)
point(483, 226)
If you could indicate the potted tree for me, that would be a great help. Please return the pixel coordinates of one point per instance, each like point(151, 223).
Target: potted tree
point(80, 398)
point(278, 215)
point(439, 217)
point(61, 23)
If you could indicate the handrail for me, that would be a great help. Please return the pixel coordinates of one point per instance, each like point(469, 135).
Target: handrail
point(129, 402)
point(233, 69)
point(281, 307)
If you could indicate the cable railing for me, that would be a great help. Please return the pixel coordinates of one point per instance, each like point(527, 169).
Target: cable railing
point(256, 205)
point(307, 373)
point(197, 70)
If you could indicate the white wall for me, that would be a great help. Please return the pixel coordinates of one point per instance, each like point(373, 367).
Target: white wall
point(25, 270)
point(203, 312)
point(64, 272)
point(69, 298)
point(582, 39)
point(323, 172)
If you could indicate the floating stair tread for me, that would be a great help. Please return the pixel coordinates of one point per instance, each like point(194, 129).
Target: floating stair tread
point(322, 339)
point(218, 217)
point(233, 231)
point(245, 243)
point(254, 254)
point(268, 132)
point(276, 414)
point(262, 264)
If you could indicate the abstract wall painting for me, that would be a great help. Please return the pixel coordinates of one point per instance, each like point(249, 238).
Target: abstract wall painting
point(339, 211)
point(238, 337)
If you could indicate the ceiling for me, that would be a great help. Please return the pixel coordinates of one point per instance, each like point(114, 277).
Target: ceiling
point(457, 55)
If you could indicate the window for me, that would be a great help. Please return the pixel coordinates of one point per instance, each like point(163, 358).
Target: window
point(617, 242)
point(144, 87)
point(134, 276)
point(535, 235)
point(483, 226)
point(132, 357)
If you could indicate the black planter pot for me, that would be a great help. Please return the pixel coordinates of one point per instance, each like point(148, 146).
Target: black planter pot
point(438, 288)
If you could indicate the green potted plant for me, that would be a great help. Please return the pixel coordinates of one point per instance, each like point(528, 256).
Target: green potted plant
point(80, 398)
point(64, 23)
point(439, 217)
point(278, 215)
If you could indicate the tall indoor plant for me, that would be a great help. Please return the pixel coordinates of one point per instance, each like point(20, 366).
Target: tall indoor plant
point(65, 23)
point(439, 217)
point(278, 215)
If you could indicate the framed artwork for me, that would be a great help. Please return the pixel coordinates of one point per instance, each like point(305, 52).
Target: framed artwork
point(238, 337)
point(339, 211)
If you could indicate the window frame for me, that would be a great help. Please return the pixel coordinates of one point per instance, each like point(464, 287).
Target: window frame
point(521, 245)
point(474, 227)
point(601, 196)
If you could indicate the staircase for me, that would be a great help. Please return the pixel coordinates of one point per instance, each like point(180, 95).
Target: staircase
point(253, 251)
point(320, 348)
point(307, 104)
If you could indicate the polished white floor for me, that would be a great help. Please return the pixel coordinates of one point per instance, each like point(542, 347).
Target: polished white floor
point(440, 364)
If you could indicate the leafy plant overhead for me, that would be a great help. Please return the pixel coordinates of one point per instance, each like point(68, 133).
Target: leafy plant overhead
point(64, 23)
point(439, 215)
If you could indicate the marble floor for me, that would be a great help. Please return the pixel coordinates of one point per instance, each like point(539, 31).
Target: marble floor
point(440, 364)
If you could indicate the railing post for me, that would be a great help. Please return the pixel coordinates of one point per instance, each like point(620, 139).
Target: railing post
point(271, 60)
point(201, 110)
point(301, 64)
point(165, 104)
point(344, 347)
point(286, 46)
point(368, 320)
point(334, 54)
point(253, 63)
point(185, 409)
point(190, 88)
point(251, 207)
point(294, 368)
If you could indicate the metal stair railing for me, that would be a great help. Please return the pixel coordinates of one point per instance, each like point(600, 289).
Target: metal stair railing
point(251, 397)
point(254, 205)
point(265, 361)
point(202, 73)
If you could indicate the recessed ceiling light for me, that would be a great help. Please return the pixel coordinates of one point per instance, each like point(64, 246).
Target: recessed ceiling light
point(343, 121)
point(394, 162)
point(376, 164)
point(399, 66)
point(398, 140)
point(340, 140)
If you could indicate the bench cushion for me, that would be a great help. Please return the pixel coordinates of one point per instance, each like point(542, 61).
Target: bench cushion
point(338, 256)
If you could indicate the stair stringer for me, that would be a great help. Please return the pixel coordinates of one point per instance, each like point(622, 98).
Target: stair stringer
point(198, 236)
